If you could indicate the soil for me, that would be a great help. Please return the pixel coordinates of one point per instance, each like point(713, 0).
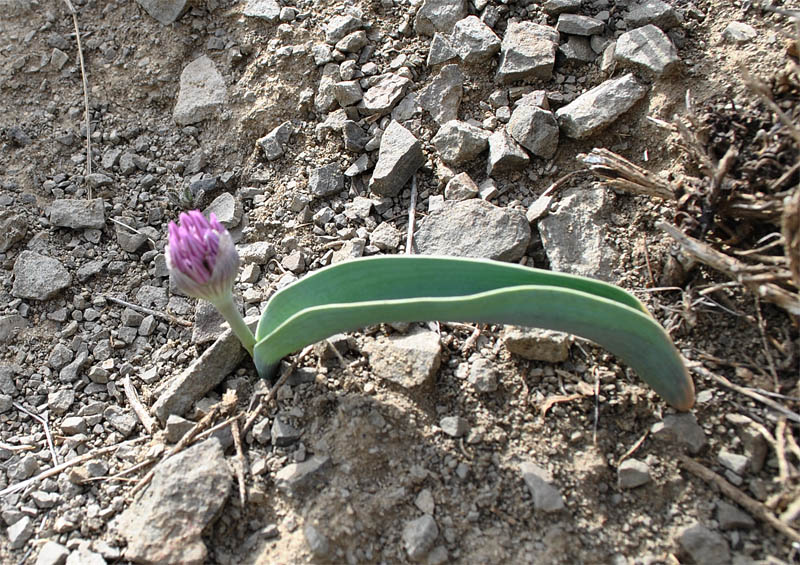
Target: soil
point(385, 441)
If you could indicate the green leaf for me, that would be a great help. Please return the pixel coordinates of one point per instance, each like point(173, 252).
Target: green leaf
point(354, 294)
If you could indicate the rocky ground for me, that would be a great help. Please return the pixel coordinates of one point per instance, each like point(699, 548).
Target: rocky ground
point(312, 129)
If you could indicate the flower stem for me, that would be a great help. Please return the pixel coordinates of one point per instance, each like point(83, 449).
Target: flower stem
point(231, 314)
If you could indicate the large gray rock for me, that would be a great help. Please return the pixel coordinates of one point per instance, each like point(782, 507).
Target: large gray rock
point(419, 535)
point(399, 157)
point(633, 473)
point(13, 228)
point(381, 98)
point(653, 12)
point(439, 15)
point(165, 11)
point(52, 553)
point(187, 491)
point(505, 154)
point(442, 96)
point(704, 545)
point(546, 496)
point(37, 277)
point(202, 92)
point(535, 129)
point(205, 373)
point(77, 214)
point(340, 26)
point(528, 51)
point(646, 48)
point(474, 228)
point(683, 430)
point(573, 24)
point(326, 180)
point(441, 50)
point(265, 9)
point(410, 361)
point(599, 107)
point(474, 41)
point(459, 142)
point(574, 236)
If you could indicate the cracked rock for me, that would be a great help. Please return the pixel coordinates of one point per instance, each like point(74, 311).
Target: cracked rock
point(381, 98)
point(474, 41)
point(535, 129)
point(439, 15)
point(505, 154)
point(442, 97)
point(646, 48)
point(458, 142)
point(528, 51)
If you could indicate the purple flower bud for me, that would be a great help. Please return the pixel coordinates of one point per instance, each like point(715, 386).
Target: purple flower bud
point(202, 257)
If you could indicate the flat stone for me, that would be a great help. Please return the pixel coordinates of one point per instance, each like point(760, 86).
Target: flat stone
point(20, 532)
point(347, 92)
point(381, 98)
point(419, 535)
point(574, 234)
point(59, 401)
point(633, 473)
point(165, 11)
point(123, 421)
point(733, 461)
point(505, 154)
point(546, 497)
point(339, 26)
point(73, 425)
point(265, 9)
point(227, 209)
point(208, 322)
point(474, 41)
point(258, 252)
point(326, 180)
point(461, 187)
point(646, 48)
point(205, 373)
point(13, 228)
point(535, 129)
point(528, 51)
point(458, 142)
point(316, 540)
point(274, 143)
point(352, 42)
point(731, 518)
point(704, 545)
point(177, 427)
point(682, 429)
point(454, 426)
point(385, 237)
point(739, 33)
point(202, 92)
point(573, 24)
point(37, 277)
point(483, 376)
point(653, 12)
point(577, 49)
point(282, 433)
point(297, 477)
point(439, 15)
point(537, 344)
point(442, 97)
point(165, 524)
point(52, 553)
point(399, 157)
point(556, 7)
point(441, 50)
point(11, 327)
point(410, 361)
point(474, 228)
point(599, 107)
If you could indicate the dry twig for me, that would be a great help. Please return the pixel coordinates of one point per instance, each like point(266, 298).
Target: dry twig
point(43, 421)
point(633, 448)
point(753, 506)
point(412, 209)
point(161, 315)
point(136, 405)
point(621, 174)
point(240, 461)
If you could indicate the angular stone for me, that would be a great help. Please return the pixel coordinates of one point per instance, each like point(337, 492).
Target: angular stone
point(505, 154)
point(546, 497)
point(265, 9)
point(441, 50)
point(682, 429)
point(535, 129)
point(12, 229)
point(442, 97)
point(37, 277)
point(439, 15)
point(461, 187)
point(646, 48)
point(483, 376)
point(458, 142)
point(165, 11)
point(52, 553)
point(574, 235)
point(325, 98)
point(733, 461)
point(20, 532)
point(71, 372)
point(176, 428)
point(410, 361)
point(385, 237)
point(556, 7)
point(340, 26)
point(273, 144)
point(703, 545)
point(296, 477)
point(739, 33)
point(399, 157)
point(124, 421)
point(573, 24)
point(419, 535)
point(227, 209)
point(282, 433)
point(202, 92)
point(474, 41)
point(454, 426)
point(653, 12)
point(165, 524)
point(317, 542)
point(528, 51)
point(326, 180)
point(259, 252)
point(731, 518)
point(633, 473)
point(205, 373)
point(85, 556)
point(11, 326)
point(537, 344)
point(474, 228)
point(347, 92)
point(73, 425)
point(381, 98)
point(59, 401)
point(578, 49)
point(600, 106)
point(352, 42)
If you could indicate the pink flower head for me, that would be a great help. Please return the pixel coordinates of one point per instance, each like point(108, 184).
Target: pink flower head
point(201, 256)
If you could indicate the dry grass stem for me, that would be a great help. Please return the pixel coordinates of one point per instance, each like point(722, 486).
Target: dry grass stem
point(136, 405)
point(160, 315)
point(240, 461)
